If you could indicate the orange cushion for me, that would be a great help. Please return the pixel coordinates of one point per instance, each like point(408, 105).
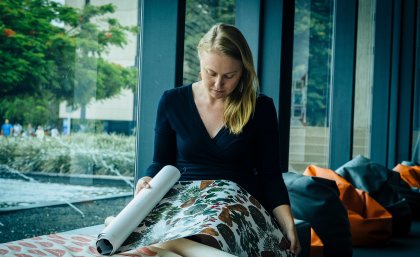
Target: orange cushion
point(317, 247)
point(410, 174)
point(370, 222)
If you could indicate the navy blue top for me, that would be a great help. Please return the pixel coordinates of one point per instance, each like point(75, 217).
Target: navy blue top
point(250, 159)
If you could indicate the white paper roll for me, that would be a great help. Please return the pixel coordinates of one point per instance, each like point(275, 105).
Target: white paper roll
point(114, 235)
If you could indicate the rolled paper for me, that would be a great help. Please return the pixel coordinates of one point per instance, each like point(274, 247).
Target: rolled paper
point(114, 235)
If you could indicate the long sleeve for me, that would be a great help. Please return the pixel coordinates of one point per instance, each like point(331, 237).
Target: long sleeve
point(165, 141)
point(271, 183)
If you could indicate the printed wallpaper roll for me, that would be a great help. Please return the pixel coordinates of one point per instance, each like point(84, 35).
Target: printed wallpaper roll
point(114, 235)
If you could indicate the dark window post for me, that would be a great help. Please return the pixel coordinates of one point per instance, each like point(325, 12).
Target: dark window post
point(276, 64)
point(342, 88)
point(382, 70)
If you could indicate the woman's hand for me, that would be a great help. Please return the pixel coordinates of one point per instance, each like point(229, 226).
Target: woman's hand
point(142, 183)
point(294, 241)
point(284, 217)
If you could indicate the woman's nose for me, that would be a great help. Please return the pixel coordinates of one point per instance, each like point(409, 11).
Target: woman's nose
point(219, 82)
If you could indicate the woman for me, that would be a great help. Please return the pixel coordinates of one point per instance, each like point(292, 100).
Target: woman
point(221, 127)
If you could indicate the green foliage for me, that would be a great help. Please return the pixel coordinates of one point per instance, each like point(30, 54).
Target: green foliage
point(77, 154)
point(25, 29)
point(52, 51)
point(319, 63)
point(315, 20)
point(29, 109)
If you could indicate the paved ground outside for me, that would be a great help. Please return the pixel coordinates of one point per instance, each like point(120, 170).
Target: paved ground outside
point(16, 225)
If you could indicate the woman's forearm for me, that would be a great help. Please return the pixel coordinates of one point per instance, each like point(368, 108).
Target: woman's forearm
point(284, 217)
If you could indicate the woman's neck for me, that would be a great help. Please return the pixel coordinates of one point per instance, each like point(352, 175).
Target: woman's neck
point(202, 96)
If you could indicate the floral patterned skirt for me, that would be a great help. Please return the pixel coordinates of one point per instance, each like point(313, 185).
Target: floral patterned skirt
point(219, 213)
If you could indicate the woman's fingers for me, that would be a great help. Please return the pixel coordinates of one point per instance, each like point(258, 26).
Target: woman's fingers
point(143, 183)
point(108, 220)
point(294, 244)
point(295, 249)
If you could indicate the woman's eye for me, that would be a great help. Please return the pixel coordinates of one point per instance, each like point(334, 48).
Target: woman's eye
point(229, 76)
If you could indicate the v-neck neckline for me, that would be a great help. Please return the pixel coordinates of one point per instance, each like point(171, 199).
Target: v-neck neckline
point(200, 120)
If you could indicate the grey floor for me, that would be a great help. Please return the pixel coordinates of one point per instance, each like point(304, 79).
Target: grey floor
point(407, 246)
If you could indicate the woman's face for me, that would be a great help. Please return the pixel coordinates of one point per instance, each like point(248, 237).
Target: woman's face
point(220, 74)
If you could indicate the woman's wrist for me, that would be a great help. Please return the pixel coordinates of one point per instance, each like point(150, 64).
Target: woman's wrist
point(284, 217)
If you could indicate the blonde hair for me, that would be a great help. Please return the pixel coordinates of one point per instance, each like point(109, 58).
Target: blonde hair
point(240, 105)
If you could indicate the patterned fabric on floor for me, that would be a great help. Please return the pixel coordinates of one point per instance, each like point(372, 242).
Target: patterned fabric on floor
point(63, 245)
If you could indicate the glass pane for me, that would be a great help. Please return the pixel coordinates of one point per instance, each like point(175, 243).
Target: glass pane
point(200, 17)
point(364, 78)
point(416, 124)
point(69, 77)
point(309, 129)
point(416, 99)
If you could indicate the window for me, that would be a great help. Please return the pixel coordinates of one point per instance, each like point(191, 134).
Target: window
point(68, 81)
point(309, 129)
point(364, 78)
point(416, 99)
point(200, 17)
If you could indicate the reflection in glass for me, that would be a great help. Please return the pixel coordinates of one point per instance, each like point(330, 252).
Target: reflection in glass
point(364, 78)
point(309, 129)
point(200, 17)
point(416, 99)
point(68, 80)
